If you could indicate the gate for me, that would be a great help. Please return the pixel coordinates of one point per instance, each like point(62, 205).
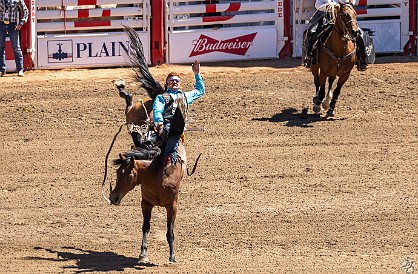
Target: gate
point(87, 33)
point(386, 20)
point(225, 30)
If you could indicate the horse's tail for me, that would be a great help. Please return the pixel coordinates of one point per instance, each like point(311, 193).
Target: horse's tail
point(139, 64)
point(195, 166)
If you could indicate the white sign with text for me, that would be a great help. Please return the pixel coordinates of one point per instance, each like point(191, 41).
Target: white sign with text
point(86, 50)
point(222, 45)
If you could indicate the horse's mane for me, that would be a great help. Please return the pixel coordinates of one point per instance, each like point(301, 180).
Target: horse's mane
point(137, 154)
point(139, 65)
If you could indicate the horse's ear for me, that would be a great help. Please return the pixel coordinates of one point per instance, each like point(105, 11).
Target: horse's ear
point(121, 156)
point(337, 7)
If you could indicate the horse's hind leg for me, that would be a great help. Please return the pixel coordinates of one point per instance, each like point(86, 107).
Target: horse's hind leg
point(171, 218)
point(328, 96)
point(120, 85)
point(336, 93)
point(146, 213)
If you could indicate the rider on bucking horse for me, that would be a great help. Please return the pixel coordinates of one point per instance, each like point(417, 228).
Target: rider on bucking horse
point(170, 113)
point(318, 21)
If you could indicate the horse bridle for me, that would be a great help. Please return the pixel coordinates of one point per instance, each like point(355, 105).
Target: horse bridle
point(346, 33)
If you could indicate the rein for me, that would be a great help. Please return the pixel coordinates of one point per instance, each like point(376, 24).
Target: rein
point(105, 169)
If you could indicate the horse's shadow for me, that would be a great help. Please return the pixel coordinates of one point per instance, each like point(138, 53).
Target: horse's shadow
point(294, 118)
point(92, 261)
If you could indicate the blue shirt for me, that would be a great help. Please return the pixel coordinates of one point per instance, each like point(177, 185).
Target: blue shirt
point(191, 96)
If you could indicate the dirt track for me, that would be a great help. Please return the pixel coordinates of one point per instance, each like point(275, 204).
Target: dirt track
point(275, 192)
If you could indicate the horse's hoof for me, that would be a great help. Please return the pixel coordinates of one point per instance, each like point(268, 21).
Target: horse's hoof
point(316, 108)
point(143, 260)
point(325, 105)
point(172, 260)
point(330, 113)
point(120, 83)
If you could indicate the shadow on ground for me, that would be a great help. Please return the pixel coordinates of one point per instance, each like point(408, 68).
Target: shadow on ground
point(92, 261)
point(294, 118)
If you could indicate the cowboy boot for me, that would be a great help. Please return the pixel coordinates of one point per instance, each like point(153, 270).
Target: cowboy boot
point(361, 54)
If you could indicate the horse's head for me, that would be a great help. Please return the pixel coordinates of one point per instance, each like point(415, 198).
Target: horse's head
point(346, 20)
point(126, 178)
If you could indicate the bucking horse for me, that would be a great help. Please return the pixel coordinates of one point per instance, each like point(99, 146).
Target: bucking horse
point(143, 165)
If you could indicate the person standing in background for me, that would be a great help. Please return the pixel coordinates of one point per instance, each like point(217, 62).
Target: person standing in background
point(13, 15)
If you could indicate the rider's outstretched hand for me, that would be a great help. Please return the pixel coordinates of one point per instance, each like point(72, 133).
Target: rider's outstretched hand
point(196, 67)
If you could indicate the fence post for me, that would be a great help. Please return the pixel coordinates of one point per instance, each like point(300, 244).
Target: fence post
point(411, 46)
point(157, 32)
point(26, 40)
point(287, 48)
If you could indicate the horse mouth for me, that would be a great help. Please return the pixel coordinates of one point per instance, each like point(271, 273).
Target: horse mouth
point(115, 201)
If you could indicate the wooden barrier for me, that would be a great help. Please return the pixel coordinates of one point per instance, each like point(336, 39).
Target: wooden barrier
point(77, 33)
point(224, 30)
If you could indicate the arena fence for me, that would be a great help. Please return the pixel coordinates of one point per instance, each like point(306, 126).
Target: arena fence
point(88, 33)
point(387, 20)
point(77, 33)
point(223, 30)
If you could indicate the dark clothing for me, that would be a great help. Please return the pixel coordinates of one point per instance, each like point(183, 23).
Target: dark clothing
point(174, 115)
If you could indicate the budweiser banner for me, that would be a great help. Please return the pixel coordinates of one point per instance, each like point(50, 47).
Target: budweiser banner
point(222, 45)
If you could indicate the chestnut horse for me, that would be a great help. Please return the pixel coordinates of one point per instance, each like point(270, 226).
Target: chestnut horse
point(157, 189)
point(336, 56)
point(145, 167)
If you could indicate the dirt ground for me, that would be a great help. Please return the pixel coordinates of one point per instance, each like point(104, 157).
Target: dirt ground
point(275, 191)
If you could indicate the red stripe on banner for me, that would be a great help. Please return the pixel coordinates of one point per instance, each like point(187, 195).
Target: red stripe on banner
point(362, 3)
point(210, 8)
point(361, 11)
point(216, 18)
point(234, 7)
point(86, 2)
point(83, 14)
point(84, 24)
point(106, 13)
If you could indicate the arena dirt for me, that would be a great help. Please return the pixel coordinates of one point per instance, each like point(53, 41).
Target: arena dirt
point(275, 191)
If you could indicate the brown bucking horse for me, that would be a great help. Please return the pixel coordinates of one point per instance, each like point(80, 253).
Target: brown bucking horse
point(336, 56)
point(136, 167)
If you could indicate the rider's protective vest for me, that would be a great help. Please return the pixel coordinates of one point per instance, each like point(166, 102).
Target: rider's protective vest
point(175, 112)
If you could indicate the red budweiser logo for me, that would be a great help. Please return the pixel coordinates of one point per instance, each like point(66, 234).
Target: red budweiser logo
point(238, 45)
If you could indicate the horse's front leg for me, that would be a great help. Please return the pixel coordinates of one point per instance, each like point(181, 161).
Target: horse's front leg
point(320, 95)
point(146, 213)
point(337, 90)
point(171, 218)
point(328, 96)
